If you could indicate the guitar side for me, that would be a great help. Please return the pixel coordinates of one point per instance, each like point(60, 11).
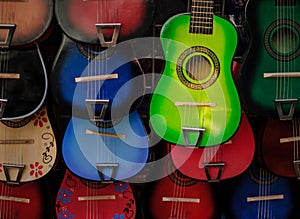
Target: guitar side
point(220, 115)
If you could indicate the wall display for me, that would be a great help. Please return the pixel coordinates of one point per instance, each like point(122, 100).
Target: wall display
point(183, 142)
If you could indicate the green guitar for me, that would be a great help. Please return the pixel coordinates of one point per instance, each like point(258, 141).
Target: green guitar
point(195, 102)
point(270, 76)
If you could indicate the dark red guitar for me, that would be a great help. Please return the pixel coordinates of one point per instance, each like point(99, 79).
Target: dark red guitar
point(23, 201)
point(22, 22)
point(111, 20)
point(177, 196)
point(78, 198)
point(219, 162)
point(280, 147)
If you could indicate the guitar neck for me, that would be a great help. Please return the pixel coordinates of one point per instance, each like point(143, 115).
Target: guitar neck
point(202, 16)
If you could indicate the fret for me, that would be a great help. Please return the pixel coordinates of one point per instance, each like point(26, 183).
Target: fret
point(201, 21)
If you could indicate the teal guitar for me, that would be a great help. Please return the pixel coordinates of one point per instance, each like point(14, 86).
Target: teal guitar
point(195, 102)
point(270, 75)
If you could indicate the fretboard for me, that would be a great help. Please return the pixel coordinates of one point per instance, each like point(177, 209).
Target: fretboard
point(202, 16)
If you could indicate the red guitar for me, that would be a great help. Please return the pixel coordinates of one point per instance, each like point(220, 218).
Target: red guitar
point(219, 162)
point(22, 22)
point(280, 147)
point(105, 20)
point(23, 201)
point(78, 198)
point(177, 196)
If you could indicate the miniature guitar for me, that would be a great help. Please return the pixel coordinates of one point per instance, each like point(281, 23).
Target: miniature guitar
point(27, 148)
point(24, 201)
point(270, 74)
point(195, 102)
point(78, 198)
point(106, 153)
point(107, 22)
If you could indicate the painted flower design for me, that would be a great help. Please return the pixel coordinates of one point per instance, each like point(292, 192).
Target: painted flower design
point(40, 118)
point(121, 187)
point(65, 214)
point(36, 169)
point(118, 216)
point(64, 195)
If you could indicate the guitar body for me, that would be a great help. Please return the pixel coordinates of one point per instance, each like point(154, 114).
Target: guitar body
point(177, 196)
point(23, 82)
point(31, 19)
point(192, 161)
point(125, 145)
point(274, 48)
point(79, 61)
point(197, 71)
point(279, 151)
point(78, 18)
point(248, 191)
point(77, 198)
point(28, 148)
point(23, 201)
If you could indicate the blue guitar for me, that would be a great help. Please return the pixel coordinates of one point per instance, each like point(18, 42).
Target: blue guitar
point(259, 194)
point(116, 152)
point(85, 78)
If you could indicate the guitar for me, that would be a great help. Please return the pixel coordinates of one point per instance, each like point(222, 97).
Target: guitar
point(78, 198)
point(178, 196)
point(85, 77)
point(257, 193)
point(27, 148)
point(103, 20)
point(23, 22)
point(280, 147)
point(269, 77)
point(219, 162)
point(23, 82)
point(195, 102)
point(105, 153)
point(24, 201)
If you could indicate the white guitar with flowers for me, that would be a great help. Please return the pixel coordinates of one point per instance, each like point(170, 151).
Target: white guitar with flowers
point(27, 148)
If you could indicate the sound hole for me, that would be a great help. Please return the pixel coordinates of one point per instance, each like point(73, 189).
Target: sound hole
point(282, 40)
point(198, 68)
